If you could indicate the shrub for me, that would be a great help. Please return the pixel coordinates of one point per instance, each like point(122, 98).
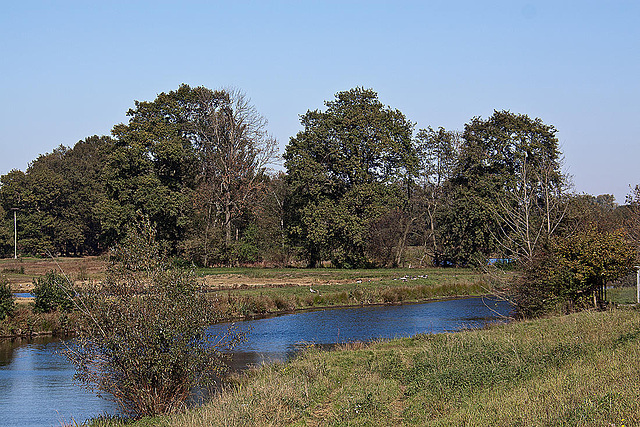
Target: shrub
point(143, 341)
point(571, 273)
point(53, 293)
point(7, 305)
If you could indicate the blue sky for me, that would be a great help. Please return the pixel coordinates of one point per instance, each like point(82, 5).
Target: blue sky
point(71, 69)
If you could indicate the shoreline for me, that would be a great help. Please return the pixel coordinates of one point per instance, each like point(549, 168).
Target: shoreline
point(373, 304)
point(71, 333)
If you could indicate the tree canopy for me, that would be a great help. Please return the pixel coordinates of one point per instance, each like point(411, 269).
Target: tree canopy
point(345, 169)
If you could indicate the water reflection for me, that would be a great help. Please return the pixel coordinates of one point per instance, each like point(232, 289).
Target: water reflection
point(36, 387)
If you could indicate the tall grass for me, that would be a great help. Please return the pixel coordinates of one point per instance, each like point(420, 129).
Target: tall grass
point(577, 370)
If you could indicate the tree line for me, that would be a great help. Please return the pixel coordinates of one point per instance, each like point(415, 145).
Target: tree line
point(361, 187)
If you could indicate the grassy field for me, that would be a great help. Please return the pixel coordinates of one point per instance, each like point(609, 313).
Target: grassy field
point(577, 370)
point(21, 272)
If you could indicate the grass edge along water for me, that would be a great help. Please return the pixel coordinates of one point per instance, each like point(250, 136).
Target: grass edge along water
point(578, 370)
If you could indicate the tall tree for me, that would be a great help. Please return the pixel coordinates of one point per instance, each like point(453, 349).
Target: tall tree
point(509, 178)
point(438, 153)
point(346, 169)
point(191, 160)
point(234, 150)
point(152, 166)
point(57, 199)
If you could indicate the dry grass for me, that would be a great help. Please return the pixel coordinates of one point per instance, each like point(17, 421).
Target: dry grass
point(23, 271)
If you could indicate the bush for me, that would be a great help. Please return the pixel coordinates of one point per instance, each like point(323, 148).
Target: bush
point(53, 293)
point(143, 341)
point(7, 305)
point(571, 273)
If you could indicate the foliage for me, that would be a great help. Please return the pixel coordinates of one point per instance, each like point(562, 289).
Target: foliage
point(52, 292)
point(58, 200)
point(509, 180)
point(345, 170)
point(7, 306)
point(143, 340)
point(438, 153)
point(193, 160)
point(573, 271)
point(152, 165)
point(6, 232)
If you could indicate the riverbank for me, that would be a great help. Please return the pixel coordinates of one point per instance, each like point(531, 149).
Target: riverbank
point(246, 302)
point(249, 293)
point(579, 369)
point(25, 323)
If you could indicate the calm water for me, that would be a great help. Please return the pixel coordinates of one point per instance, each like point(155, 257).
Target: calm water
point(36, 381)
point(277, 338)
point(36, 386)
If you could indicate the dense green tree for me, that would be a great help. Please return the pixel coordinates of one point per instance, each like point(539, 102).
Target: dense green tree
point(57, 198)
point(85, 213)
point(7, 305)
point(193, 160)
point(347, 168)
point(508, 183)
point(6, 232)
point(52, 293)
point(152, 166)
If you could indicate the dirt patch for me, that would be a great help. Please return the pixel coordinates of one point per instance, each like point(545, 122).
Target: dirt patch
point(21, 272)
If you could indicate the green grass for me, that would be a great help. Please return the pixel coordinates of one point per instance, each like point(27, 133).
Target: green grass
point(331, 273)
point(293, 289)
point(577, 370)
point(622, 295)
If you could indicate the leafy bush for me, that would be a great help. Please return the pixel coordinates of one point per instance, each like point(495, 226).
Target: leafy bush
point(143, 341)
point(53, 293)
point(6, 299)
point(571, 273)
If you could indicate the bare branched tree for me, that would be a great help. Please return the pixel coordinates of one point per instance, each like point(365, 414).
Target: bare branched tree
point(438, 151)
point(530, 211)
point(632, 221)
point(235, 151)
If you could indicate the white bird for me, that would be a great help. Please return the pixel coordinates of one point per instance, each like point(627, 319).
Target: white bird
point(312, 290)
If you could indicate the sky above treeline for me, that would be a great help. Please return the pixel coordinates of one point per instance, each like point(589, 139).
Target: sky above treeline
point(72, 69)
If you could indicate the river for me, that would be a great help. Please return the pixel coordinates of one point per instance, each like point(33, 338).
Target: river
point(36, 381)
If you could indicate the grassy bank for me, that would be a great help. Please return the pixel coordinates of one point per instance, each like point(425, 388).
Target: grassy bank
point(577, 370)
point(26, 323)
point(250, 292)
